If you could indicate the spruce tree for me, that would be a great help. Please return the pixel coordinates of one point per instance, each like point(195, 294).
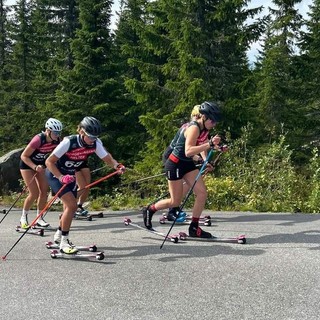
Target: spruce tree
point(276, 90)
point(184, 53)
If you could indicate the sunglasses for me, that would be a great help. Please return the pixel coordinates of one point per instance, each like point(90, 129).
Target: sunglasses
point(212, 121)
point(57, 133)
point(90, 136)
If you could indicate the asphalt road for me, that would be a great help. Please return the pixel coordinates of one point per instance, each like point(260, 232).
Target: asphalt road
point(276, 275)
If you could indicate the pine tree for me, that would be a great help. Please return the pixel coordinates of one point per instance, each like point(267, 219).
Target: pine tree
point(275, 97)
point(309, 76)
point(184, 53)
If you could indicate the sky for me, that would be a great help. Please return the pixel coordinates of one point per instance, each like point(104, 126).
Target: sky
point(303, 8)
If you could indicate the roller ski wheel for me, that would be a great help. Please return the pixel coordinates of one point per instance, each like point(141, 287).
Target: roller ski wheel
point(100, 256)
point(163, 220)
point(174, 239)
point(54, 254)
point(242, 239)
point(127, 221)
point(89, 218)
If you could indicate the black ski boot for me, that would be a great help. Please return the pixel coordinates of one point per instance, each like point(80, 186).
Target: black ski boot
point(147, 217)
point(197, 232)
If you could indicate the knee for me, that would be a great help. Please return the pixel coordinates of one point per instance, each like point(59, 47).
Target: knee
point(42, 194)
point(72, 208)
point(33, 195)
point(202, 194)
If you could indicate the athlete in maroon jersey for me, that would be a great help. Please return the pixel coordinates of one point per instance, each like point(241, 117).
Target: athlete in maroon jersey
point(72, 152)
point(32, 168)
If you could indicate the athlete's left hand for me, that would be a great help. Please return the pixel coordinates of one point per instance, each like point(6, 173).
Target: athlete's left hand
point(121, 168)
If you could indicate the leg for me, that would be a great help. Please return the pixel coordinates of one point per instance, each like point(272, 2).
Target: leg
point(176, 192)
point(200, 192)
point(68, 198)
point(28, 178)
point(70, 206)
point(43, 188)
point(173, 213)
point(83, 177)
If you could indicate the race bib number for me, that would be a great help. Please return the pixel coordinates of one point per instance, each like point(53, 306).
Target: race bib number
point(73, 164)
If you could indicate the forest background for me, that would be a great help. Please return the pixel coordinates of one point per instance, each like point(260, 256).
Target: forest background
point(61, 58)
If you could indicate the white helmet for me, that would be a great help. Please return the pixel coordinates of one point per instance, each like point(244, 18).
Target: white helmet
point(53, 124)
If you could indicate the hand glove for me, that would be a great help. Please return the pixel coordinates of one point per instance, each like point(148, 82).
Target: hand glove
point(223, 148)
point(121, 168)
point(66, 179)
point(214, 141)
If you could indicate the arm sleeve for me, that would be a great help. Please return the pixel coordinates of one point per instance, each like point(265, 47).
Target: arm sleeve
point(101, 152)
point(35, 143)
point(62, 148)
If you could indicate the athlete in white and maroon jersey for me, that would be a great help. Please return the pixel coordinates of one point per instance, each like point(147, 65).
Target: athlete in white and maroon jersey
point(72, 152)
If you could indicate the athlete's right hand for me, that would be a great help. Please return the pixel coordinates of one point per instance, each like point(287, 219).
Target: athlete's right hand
point(66, 179)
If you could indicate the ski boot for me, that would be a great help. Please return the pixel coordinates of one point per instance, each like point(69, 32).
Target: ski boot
point(173, 215)
point(42, 223)
point(67, 247)
point(147, 217)
point(197, 232)
point(81, 212)
point(24, 222)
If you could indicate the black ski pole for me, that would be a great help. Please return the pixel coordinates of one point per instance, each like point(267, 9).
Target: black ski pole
point(203, 167)
point(21, 193)
point(45, 209)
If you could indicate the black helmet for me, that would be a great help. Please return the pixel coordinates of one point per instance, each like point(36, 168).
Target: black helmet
point(91, 126)
point(211, 110)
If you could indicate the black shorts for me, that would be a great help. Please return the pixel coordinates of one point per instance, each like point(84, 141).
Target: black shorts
point(176, 170)
point(24, 166)
point(82, 166)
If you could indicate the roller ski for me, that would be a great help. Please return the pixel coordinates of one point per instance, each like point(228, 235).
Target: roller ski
point(172, 238)
point(164, 220)
point(70, 251)
point(82, 214)
point(77, 255)
point(56, 246)
point(182, 218)
point(241, 239)
point(187, 217)
point(31, 230)
point(42, 224)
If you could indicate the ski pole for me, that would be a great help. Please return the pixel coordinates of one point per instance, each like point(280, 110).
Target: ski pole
point(45, 209)
point(95, 170)
point(202, 169)
point(21, 193)
point(97, 181)
point(100, 180)
point(91, 173)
